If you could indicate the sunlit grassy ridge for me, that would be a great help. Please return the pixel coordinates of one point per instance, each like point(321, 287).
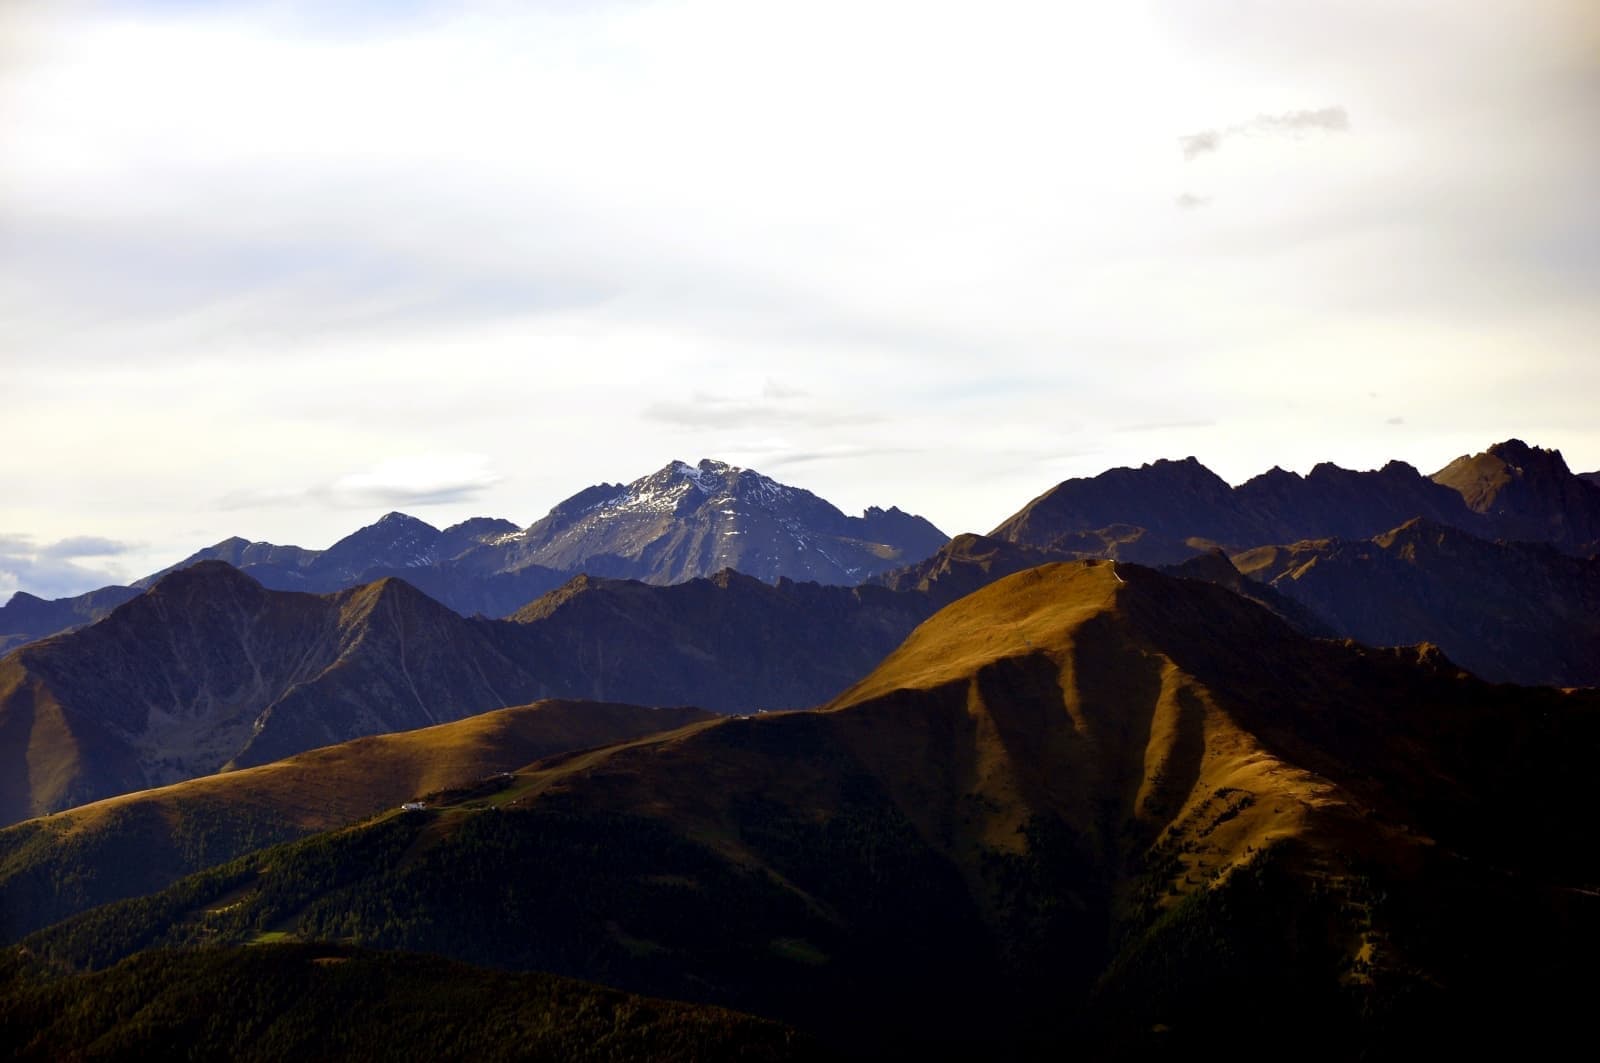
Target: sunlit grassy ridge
point(139, 842)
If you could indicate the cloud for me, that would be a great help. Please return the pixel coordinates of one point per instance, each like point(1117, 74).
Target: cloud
point(1293, 123)
point(418, 480)
point(1162, 426)
point(1196, 144)
point(52, 570)
point(84, 546)
point(1289, 123)
point(1395, 420)
point(708, 410)
point(838, 453)
point(1190, 201)
point(779, 390)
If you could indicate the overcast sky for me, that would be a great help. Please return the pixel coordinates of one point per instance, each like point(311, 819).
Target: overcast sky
point(273, 269)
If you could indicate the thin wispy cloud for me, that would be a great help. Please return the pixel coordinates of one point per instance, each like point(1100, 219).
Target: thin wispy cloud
point(1162, 426)
point(1190, 201)
point(422, 480)
point(783, 459)
point(1287, 124)
point(703, 409)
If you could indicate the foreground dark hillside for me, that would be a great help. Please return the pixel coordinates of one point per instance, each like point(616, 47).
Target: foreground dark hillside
point(297, 1002)
point(1087, 806)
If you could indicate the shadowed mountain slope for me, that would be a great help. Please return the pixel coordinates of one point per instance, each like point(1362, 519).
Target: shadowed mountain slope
point(1166, 511)
point(26, 618)
point(136, 843)
point(963, 565)
point(1528, 494)
point(1081, 804)
point(1215, 567)
point(730, 642)
point(1511, 612)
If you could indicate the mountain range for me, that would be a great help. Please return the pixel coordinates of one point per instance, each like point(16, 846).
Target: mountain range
point(1012, 795)
point(1167, 511)
point(682, 522)
point(685, 522)
point(1088, 806)
point(207, 669)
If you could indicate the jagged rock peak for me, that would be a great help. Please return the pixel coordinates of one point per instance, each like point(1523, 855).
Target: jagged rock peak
point(1516, 452)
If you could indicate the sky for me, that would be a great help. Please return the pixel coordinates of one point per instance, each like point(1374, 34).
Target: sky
point(273, 269)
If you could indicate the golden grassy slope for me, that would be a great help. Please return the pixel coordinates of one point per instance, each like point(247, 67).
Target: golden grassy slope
point(1036, 696)
point(54, 866)
point(336, 785)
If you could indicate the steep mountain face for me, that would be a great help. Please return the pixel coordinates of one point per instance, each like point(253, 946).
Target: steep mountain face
point(1158, 513)
point(686, 521)
point(1528, 494)
point(1509, 612)
point(731, 642)
point(1089, 807)
point(1216, 568)
point(26, 618)
point(1331, 502)
point(208, 668)
point(965, 564)
point(396, 541)
point(280, 567)
point(1165, 512)
point(132, 844)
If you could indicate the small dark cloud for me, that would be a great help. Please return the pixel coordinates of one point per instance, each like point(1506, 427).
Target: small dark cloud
point(1190, 201)
point(1288, 123)
point(1395, 420)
